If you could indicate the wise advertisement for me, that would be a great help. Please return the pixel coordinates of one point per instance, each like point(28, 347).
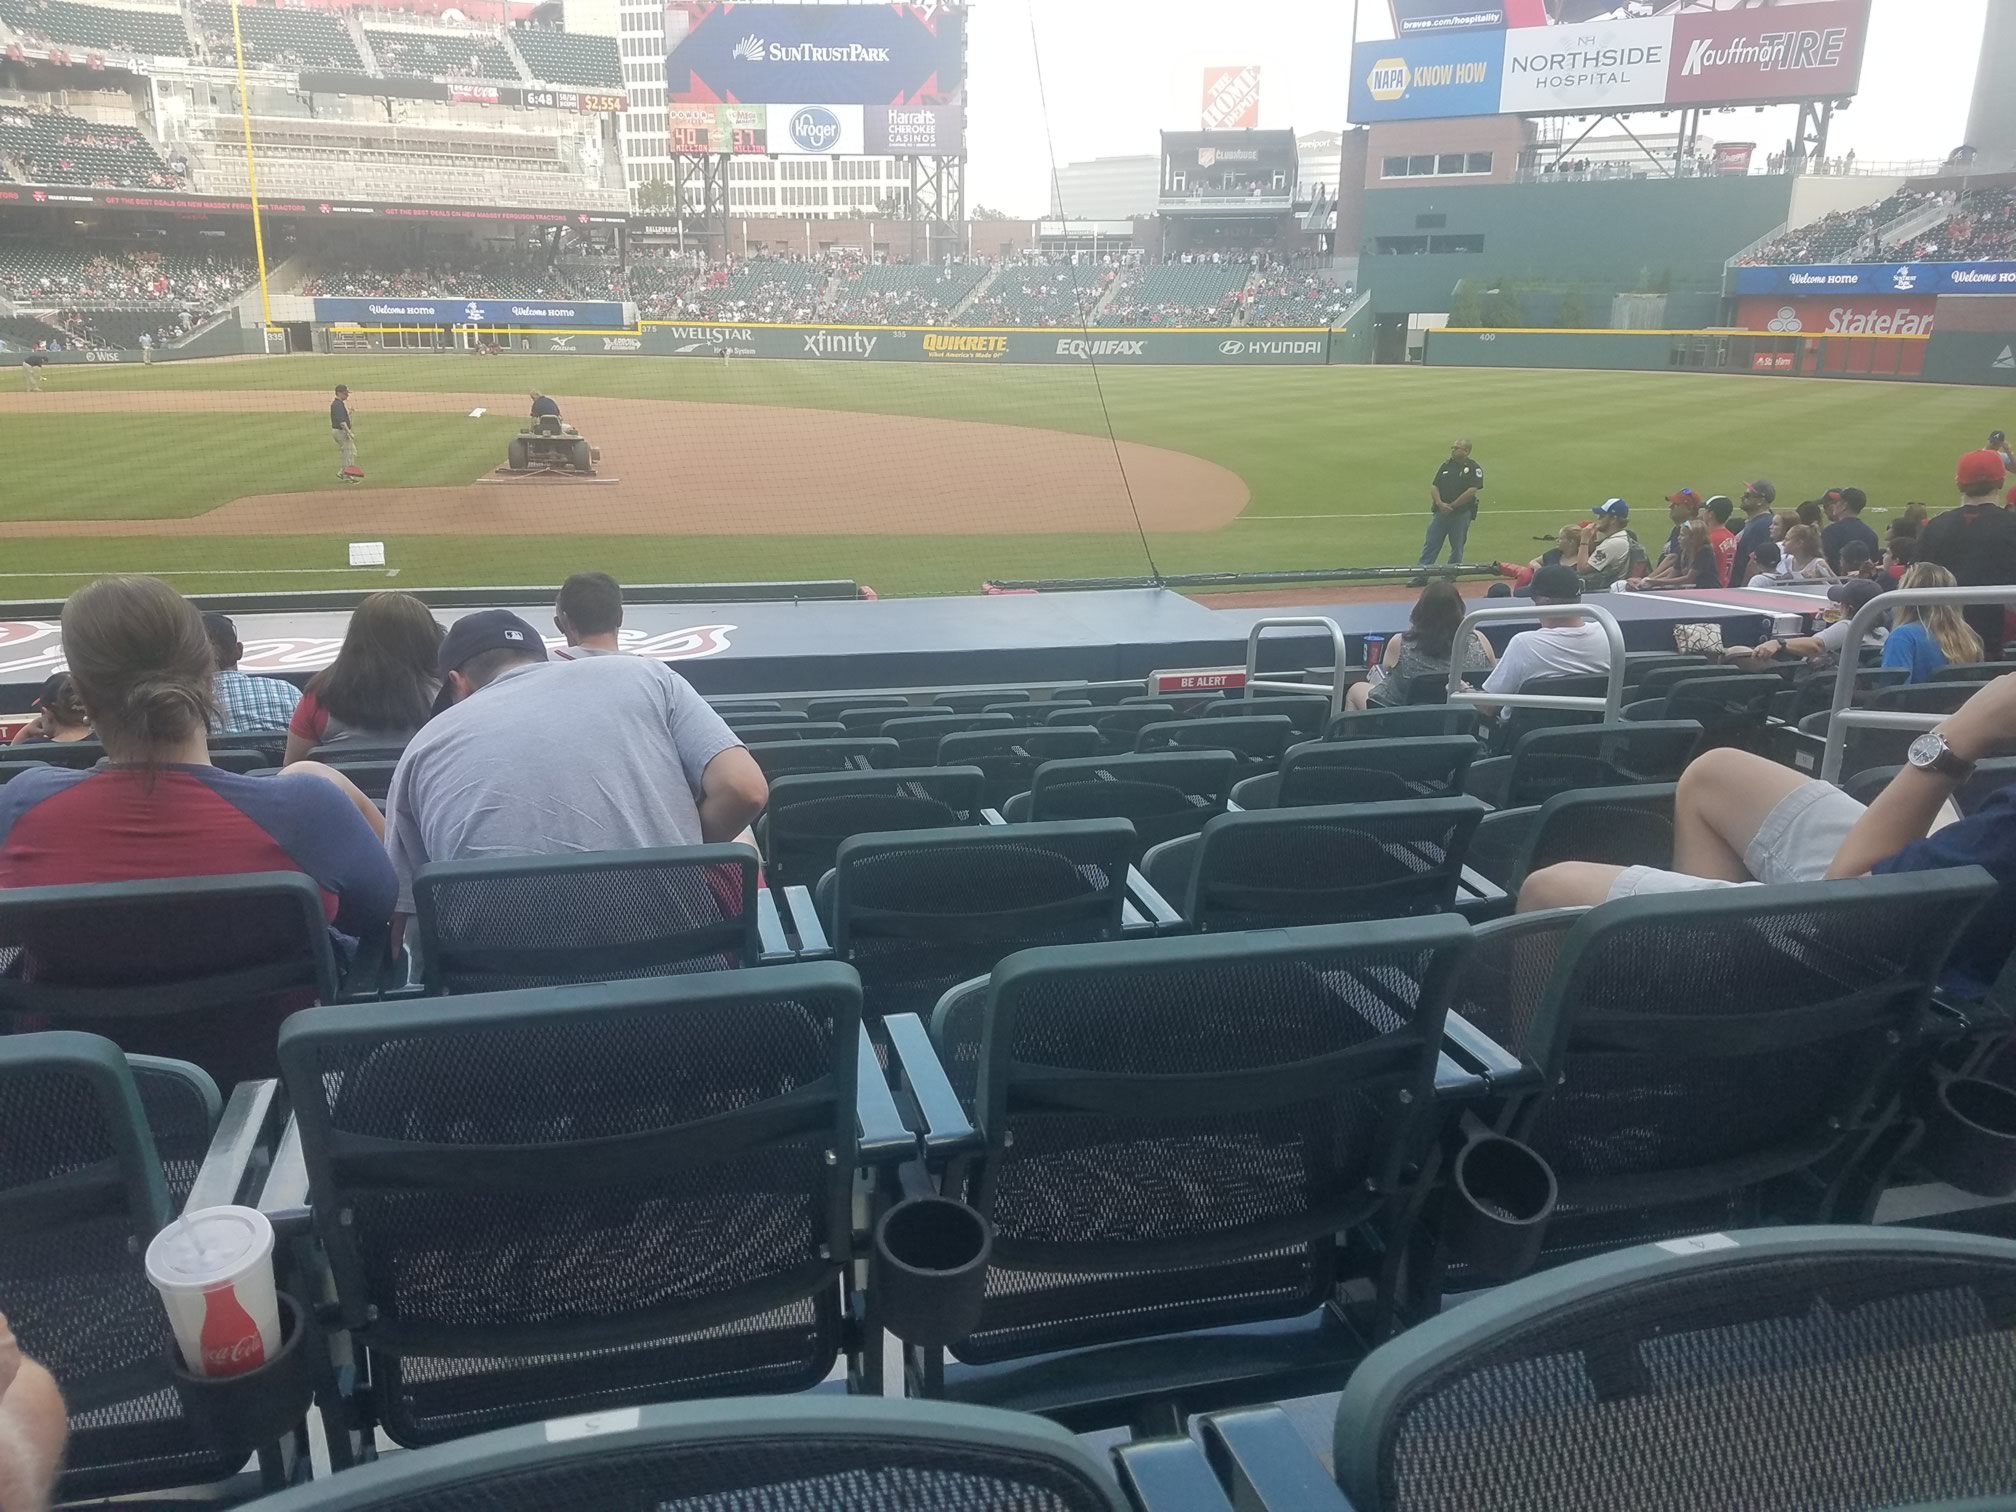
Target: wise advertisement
point(1424, 77)
point(851, 54)
point(1926, 278)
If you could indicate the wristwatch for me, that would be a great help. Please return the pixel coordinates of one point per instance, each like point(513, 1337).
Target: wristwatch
point(1930, 753)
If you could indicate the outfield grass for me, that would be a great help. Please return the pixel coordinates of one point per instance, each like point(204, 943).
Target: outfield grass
point(1337, 460)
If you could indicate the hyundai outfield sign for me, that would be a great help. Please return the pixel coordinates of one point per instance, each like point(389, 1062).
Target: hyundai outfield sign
point(486, 312)
point(1880, 278)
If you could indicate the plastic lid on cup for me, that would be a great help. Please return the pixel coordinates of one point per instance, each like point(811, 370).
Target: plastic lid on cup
point(208, 1248)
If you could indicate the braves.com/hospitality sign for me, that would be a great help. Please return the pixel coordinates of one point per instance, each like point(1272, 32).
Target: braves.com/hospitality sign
point(1746, 57)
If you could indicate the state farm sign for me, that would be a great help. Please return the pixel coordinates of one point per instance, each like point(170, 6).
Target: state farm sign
point(1903, 316)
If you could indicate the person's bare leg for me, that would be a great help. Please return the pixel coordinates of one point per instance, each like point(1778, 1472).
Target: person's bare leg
point(33, 1428)
point(1724, 799)
point(1567, 884)
point(1356, 695)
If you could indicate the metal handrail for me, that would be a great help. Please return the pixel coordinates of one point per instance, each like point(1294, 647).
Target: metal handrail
point(1608, 705)
point(1840, 717)
point(1339, 656)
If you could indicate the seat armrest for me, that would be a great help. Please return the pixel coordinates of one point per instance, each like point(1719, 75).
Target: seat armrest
point(877, 1121)
point(991, 816)
point(241, 1150)
point(1170, 1475)
point(1263, 1464)
point(284, 1198)
point(946, 1129)
point(805, 923)
point(770, 928)
point(1152, 904)
point(1476, 1050)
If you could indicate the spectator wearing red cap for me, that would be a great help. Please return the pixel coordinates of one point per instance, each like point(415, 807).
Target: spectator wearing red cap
point(1676, 567)
point(1976, 543)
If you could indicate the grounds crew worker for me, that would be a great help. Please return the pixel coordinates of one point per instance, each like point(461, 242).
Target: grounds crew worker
point(339, 428)
point(32, 366)
point(543, 406)
point(1452, 504)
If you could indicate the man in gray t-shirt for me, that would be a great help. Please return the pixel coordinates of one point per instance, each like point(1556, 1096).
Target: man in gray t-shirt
point(542, 758)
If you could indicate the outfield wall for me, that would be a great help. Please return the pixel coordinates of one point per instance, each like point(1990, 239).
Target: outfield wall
point(224, 339)
point(962, 346)
point(1757, 353)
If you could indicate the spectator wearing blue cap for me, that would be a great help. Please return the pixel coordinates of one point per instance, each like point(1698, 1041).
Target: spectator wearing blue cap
point(1605, 546)
point(540, 757)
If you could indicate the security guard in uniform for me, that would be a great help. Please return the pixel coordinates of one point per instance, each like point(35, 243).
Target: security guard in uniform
point(1452, 503)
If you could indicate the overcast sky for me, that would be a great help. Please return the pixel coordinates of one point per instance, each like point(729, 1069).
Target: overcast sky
point(1115, 72)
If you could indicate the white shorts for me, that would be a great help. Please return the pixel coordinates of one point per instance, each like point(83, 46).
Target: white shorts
point(1797, 842)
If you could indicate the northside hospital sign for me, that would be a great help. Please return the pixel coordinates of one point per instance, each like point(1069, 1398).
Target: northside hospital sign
point(1682, 59)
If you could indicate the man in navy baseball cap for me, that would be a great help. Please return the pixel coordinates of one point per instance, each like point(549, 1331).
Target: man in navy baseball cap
point(1606, 545)
point(488, 633)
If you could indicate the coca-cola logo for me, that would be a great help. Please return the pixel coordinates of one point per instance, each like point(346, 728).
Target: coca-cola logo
point(228, 1357)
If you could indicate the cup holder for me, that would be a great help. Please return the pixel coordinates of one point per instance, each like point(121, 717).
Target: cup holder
point(1970, 1136)
point(928, 1275)
point(1502, 1195)
point(241, 1413)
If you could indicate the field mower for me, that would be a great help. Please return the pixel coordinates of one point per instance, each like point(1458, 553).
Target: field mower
point(546, 445)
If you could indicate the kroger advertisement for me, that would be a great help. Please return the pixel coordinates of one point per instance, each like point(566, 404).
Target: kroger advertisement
point(1926, 278)
point(1747, 57)
point(487, 312)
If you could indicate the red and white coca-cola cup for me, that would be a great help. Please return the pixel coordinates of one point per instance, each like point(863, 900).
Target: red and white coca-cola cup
point(214, 1271)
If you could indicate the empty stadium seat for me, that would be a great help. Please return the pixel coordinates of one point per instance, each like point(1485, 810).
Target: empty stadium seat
point(120, 1140)
point(1180, 1135)
point(280, 37)
point(1163, 794)
point(1175, 294)
point(199, 968)
point(652, 1180)
point(1774, 1029)
point(905, 293)
point(852, 1453)
point(1361, 771)
point(1258, 741)
point(1732, 710)
point(1401, 723)
point(151, 33)
point(1771, 1368)
point(1327, 864)
point(917, 734)
point(808, 815)
point(582, 61)
point(1010, 758)
point(47, 147)
point(440, 54)
point(785, 758)
point(916, 912)
point(541, 921)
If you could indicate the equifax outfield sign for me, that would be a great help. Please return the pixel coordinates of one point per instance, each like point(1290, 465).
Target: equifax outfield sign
point(1691, 57)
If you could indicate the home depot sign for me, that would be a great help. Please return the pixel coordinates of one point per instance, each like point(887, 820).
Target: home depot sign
point(1231, 98)
point(1902, 316)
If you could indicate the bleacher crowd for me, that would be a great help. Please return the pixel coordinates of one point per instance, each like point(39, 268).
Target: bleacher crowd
point(1979, 226)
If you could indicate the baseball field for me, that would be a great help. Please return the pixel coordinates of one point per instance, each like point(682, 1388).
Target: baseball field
point(913, 479)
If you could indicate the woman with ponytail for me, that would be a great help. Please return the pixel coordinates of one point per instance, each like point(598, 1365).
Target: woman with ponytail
point(142, 666)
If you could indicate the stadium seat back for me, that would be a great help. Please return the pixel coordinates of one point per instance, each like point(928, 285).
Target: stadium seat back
point(1337, 864)
point(651, 1180)
point(1772, 1028)
point(1257, 740)
point(75, 754)
point(1119, 727)
point(1573, 757)
point(787, 758)
point(809, 815)
point(1924, 698)
point(196, 968)
point(1306, 713)
point(849, 1454)
point(858, 704)
point(1731, 708)
point(1010, 757)
point(1403, 723)
point(1163, 794)
point(978, 701)
point(1181, 1133)
point(916, 913)
point(1618, 826)
point(1815, 692)
point(1639, 665)
point(1657, 682)
point(1565, 1389)
point(543, 921)
point(917, 736)
point(1519, 721)
point(739, 720)
point(270, 744)
point(371, 778)
point(1974, 672)
point(82, 1190)
point(1365, 771)
point(768, 734)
